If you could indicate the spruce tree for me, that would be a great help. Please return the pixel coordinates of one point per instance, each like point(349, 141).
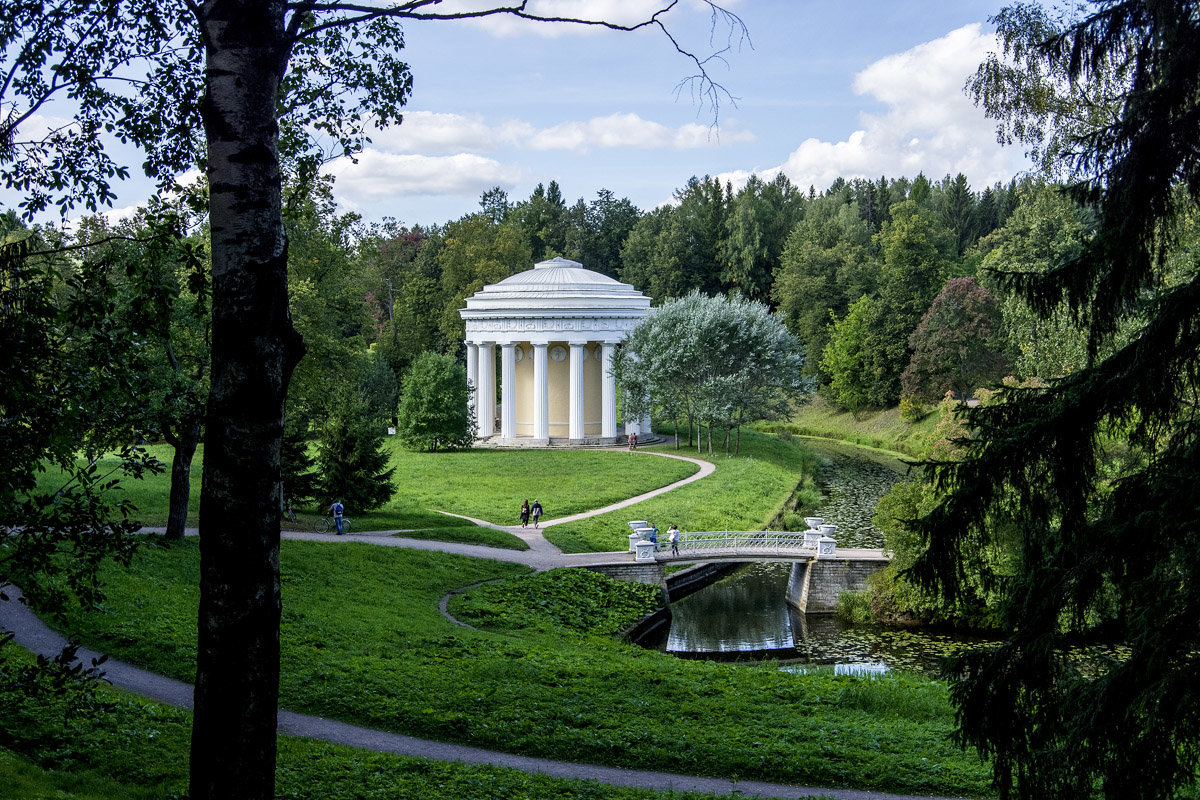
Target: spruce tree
point(351, 459)
point(1109, 547)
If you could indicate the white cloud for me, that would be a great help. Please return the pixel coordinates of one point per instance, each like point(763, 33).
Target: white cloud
point(434, 133)
point(378, 176)
point(930, 124)
point(630, 130)
point(38, 126)
point(428, 132)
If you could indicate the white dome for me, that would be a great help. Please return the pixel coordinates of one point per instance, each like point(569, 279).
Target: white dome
point(553, 287)
point(557, 300)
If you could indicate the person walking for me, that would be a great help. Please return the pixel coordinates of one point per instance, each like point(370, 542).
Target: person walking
point(525, 513)
point(336, 510)
point(673, 536)
point(536, 511)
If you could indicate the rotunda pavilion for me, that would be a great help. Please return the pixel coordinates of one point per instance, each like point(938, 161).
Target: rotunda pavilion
point(556, 327)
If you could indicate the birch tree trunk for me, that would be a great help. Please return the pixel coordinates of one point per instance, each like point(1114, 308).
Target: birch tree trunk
point(254, 349)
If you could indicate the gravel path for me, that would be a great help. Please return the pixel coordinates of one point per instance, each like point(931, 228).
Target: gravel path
point(31, 633)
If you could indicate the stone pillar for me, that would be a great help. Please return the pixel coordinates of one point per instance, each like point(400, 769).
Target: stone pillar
point(472, 377)
point(508, 391)
point(575, 426)
point(608, 394)
point(541, 392)
point(485, 400)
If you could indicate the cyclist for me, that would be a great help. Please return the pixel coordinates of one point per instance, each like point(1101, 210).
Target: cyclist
point(336, 510)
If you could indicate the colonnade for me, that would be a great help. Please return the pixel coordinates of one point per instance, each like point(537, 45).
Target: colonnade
point(533, 403)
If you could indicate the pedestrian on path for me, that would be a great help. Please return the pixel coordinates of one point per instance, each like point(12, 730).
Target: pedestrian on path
point(536, 511)
point(525, 513)
point(673, 536)
point(336, 509)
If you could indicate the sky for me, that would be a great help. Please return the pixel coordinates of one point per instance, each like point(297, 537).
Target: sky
point(817, 88)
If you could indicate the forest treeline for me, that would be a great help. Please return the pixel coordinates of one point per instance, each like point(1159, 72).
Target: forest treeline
point(895, 287)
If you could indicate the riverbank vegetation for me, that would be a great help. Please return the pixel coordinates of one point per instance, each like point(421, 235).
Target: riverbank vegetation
point(358, 648)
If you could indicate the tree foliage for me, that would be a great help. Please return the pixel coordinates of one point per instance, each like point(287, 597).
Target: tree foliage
point(54, 396)
point(844, 358)
point(957, 344)
point(712, 361)
point(352, 462)
point(1041, 459)
point(434, 412)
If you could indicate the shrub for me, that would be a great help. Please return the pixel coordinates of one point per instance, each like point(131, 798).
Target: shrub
point(433, 405)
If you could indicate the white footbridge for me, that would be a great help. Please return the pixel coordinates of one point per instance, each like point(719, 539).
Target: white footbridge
point(650, 544)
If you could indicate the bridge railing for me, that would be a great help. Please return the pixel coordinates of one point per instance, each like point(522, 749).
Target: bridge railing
point(755, 543)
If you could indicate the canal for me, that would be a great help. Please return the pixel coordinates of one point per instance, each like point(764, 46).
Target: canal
point(745, 616)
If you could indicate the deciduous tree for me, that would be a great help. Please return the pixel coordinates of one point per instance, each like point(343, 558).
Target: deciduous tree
point(433, 405)
point(714, 360)
point(957, 345)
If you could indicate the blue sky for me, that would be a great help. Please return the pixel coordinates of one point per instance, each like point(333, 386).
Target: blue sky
point(823, 88)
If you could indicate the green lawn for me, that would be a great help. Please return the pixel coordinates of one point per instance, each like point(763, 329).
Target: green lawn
point(484, 484)
point(363, 641)
point(744, 493)
point(138, 751)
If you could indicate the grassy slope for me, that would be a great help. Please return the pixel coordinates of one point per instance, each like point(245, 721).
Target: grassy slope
point(362, 641)
point(744, 493)
point(485, 484)
point(139, 751)
point(881, 429)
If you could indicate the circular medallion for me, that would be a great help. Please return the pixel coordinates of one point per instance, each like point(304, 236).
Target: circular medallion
point(518, 353)
point(558, 353)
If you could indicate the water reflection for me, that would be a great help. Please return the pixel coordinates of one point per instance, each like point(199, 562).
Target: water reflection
point(745, 616)
point(739, 613)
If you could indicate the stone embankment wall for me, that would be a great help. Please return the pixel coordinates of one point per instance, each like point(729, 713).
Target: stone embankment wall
point(815, 586)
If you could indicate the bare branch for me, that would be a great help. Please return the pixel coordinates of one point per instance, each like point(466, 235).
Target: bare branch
point(701, 85)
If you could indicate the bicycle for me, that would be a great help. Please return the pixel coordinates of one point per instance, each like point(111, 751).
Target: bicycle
point(326, 524)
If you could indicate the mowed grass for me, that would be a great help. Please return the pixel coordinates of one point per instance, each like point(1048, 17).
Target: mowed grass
point(744, 493)
point(490, 484)
point(362, 641)
point(483, 484)
point(138, 750)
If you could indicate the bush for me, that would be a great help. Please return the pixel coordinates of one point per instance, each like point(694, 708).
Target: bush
point(433, 405)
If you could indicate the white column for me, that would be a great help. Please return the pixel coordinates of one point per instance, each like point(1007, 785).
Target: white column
point(608, 394)
point(485, 401)
point(508, 391)
point(472, 375)
point(575, 428)
point(541, 392)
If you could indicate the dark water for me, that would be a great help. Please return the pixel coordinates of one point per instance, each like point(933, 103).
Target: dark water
point(852, 480)
point(745, 616)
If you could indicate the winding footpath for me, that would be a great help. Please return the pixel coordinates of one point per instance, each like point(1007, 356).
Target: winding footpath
point(31, 633)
